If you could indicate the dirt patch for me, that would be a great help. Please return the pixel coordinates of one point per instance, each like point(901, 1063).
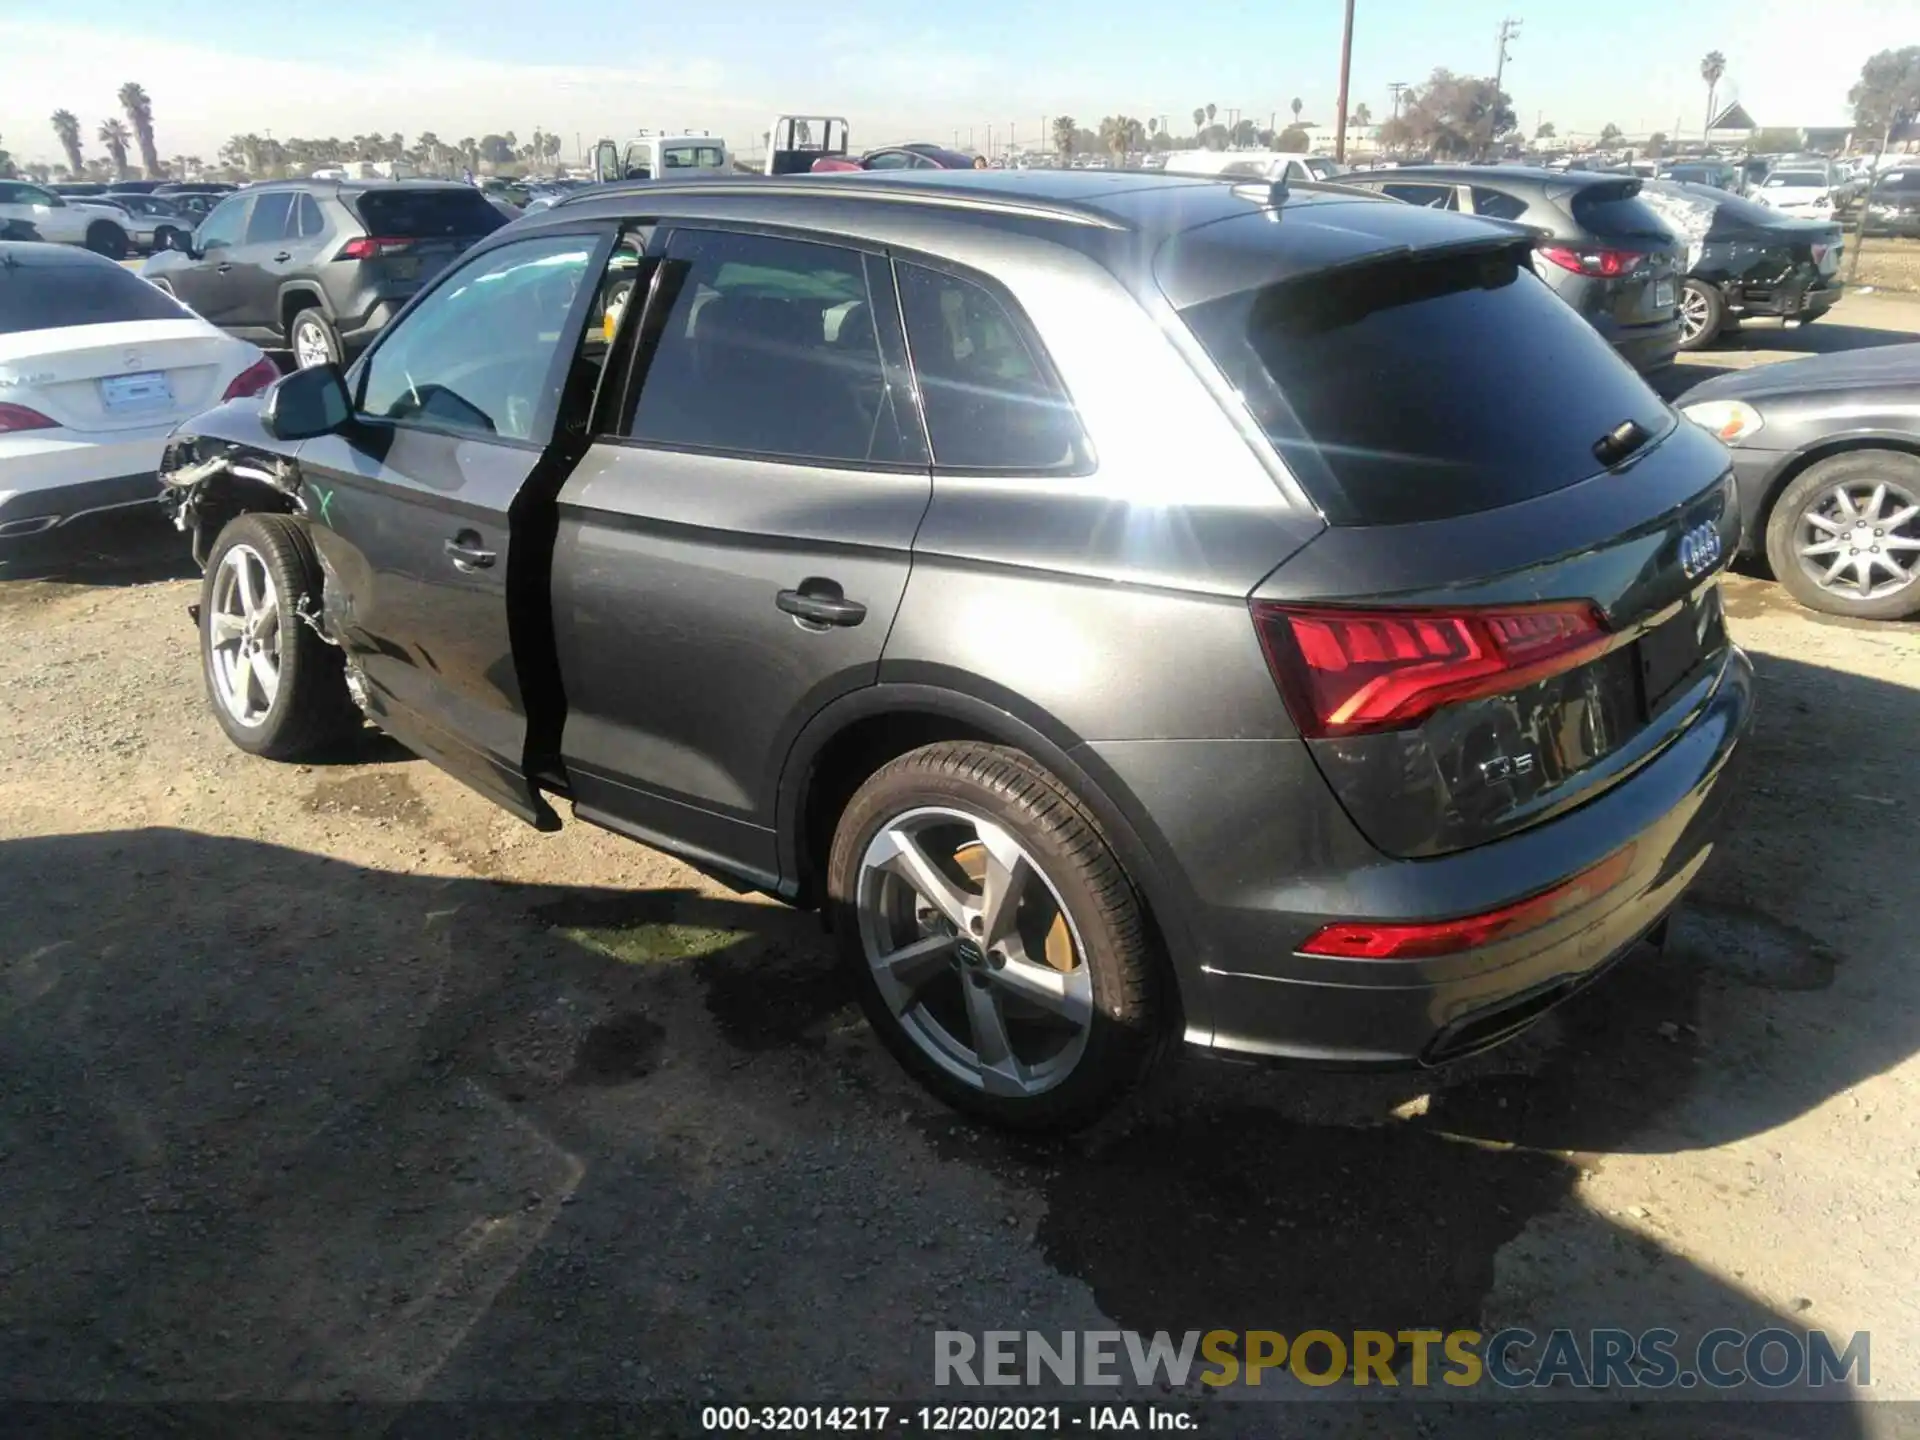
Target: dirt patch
point(380, 796)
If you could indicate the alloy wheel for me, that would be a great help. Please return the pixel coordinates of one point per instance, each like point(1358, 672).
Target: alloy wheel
point(973, 951)
point(244, 636)
point(310, 348)
point(1861, 539)
point(1694, 313)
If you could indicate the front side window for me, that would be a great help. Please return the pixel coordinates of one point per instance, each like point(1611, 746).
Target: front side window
point(477, 354)
point(891, 160)
point(990, 400)
point(769, 347)
point(225, 225)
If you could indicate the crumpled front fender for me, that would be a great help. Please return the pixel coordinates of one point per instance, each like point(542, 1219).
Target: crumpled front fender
point(222, 464)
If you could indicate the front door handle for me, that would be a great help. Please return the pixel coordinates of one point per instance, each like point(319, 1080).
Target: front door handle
point(222, 268)
point(819, 601)
point(467, 552)
point(284, 255)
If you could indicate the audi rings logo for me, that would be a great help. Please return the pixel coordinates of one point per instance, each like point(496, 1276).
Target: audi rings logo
point(1700, 550)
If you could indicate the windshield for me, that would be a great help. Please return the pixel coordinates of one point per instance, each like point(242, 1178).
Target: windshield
point(1796, 179)
point(42, 296)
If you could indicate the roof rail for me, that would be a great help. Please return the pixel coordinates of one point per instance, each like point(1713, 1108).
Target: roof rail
point(846, 184)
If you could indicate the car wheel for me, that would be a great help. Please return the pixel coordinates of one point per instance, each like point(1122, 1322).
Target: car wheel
point(997, 945)
point(313, 340)
point(1703, 312)
point(1844, 536)
point(108, 239)
point(276, 687)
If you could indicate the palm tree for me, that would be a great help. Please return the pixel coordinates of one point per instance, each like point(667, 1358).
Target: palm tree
point(133, 100)
point(1199, 119)
point(1712, 66)
point(116, 137)
point(1065, 127)
point(1210, 114)
point(1362, 115)
point(1296, 107)
point(68, 129)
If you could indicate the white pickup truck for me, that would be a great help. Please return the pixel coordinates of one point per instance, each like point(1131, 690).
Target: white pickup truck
point(33, 212)
point(795, 143)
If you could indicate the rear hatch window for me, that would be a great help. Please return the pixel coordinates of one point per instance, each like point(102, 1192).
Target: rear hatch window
point(1426, 386)
point(426, 214)
point(1616, 210)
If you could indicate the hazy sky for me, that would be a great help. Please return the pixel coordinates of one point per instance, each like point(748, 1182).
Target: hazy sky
point(897, 71)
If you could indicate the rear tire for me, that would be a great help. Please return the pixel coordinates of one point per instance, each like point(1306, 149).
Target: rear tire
point(1036, 1015)
point(1703, 313)
point(1877, 484)
point(277, 688)
point(108, 239)
point(313, 340)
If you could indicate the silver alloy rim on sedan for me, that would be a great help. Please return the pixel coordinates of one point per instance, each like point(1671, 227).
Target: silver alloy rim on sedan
point(1693, 312)
point(310, 347)
point(244, 650)
point(973, 951)
point(1861, 539)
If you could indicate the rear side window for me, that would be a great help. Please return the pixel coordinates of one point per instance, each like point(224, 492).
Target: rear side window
point(1423, 388)
point(1434, 197)
point(307, 222)
point(990, 398)
point(46, 297)
point(1496, 204)
point(770, 347)
point(272, 217)
point(1615, 210)
point(427, 214)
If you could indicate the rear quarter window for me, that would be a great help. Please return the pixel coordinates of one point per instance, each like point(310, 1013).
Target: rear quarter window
point(427, 214)
point(1424, 388)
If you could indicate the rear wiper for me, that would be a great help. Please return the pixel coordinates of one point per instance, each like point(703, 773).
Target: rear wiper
point(1620, 442)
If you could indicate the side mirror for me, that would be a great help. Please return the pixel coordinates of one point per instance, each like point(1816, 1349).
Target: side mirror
point(306, 404)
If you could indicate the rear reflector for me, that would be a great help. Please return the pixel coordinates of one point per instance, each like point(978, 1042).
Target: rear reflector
point(1351, 672)
point(252, 380)
point(1417, 940)
point(19, 417)
point(369, 247)
point(1597, 261)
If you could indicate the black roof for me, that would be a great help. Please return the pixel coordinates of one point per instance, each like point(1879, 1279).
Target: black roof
point(1119, 217)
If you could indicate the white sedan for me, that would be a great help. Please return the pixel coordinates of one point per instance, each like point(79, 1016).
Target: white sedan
point(97, 367)
point(1803, 194)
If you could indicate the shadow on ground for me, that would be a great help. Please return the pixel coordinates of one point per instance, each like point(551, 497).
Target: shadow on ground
point(274, 1125)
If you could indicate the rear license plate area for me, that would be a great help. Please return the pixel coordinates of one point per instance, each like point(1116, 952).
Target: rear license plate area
point(1671, 651)
point(1663, 295)
point(125, 394)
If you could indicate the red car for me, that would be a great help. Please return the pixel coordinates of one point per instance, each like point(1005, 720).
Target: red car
point(898, 157)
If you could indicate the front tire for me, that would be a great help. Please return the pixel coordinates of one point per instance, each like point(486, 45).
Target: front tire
point(1844, 536)
point(313, 340)
point(998, 947)
point(1703, 313)
point(277, 688)
point(108, 239)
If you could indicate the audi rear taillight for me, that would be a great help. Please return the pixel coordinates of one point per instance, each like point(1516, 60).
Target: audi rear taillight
point(1424, 939)
point(252, 380)
point(371, 247)
point(19, 417)
point(1597, 261)
point(1352, 672)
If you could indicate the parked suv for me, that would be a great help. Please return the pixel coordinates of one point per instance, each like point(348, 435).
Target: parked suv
point(318, 266)
point(1604, 251)
point(35, 212)
point(1355, 701)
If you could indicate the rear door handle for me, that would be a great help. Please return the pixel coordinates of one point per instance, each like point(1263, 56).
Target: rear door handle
point(467, 552)
point(222, 268)
point(821, 602)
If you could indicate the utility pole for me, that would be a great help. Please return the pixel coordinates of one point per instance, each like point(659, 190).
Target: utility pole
point(1396, 88)
point(1346, 69)
point(1509, 30)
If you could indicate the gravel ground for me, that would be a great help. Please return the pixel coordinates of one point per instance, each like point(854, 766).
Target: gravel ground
point(332, 1081)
